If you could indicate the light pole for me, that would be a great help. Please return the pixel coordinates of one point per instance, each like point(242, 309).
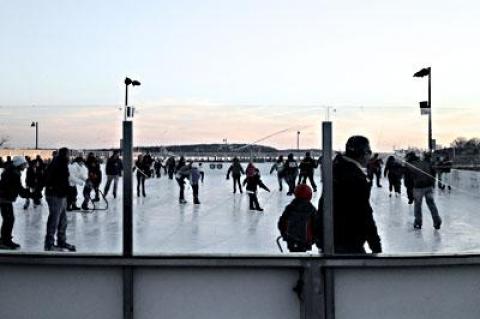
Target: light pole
point(298, 140)
point(127, 146)
point(35, 124)
point(420, 74)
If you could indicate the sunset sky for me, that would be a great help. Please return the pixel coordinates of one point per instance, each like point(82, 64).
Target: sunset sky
point(239, 70)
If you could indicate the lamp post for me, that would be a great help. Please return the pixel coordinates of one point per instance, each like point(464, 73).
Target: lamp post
point(298, 140)
point(420, 74)
point(35, 124)
point(127, 146)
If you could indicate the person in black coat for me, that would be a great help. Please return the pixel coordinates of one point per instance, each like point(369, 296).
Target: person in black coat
point(35, 181)
point(307, 167)
point(56, 190)
point(394, 170)
point(253, 182)
point(291, 173)
point(142, 168)
point(237, 171)
point(409, 175)
point(352, 214)
point(113, 169)
point(170, 166)
point(10, 188)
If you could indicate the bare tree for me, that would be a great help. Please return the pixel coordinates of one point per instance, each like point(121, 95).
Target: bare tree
point(3, 140)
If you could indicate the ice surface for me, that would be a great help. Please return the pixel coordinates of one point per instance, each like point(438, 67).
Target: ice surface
point(224, 224)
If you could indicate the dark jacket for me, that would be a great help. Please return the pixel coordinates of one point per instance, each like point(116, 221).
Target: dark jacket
point(94, 171)
point(11, 185)
point(296, 214)
point(114, 166)
point(353, 216)
point(236, 169)
point(253, 182)
point(394, 170)
point(307, 165)
point(423, 174)
point(291, 168)
point(56, 178)
point(35, 175)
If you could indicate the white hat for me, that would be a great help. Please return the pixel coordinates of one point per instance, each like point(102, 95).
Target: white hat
point(194, 165)
point(18, 161)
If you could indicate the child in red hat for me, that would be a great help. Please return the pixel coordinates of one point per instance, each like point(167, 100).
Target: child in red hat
point(298, 220)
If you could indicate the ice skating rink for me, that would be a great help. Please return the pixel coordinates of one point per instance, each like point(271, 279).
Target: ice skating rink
point(224, 224)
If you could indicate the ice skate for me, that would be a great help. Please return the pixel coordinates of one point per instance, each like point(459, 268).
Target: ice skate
point(67, 247)
point(9, 244)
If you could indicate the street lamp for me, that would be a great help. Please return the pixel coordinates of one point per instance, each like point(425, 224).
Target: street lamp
point(427, 107)
point(35, 124)
point(129, 81)
point(298, 140)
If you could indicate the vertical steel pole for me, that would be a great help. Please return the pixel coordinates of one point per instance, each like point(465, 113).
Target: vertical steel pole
point(128, 292)
point(127, 189)
point(36, 135)
point(327, 180)
point(430, 144)
point(328, 235)
point(298, 141)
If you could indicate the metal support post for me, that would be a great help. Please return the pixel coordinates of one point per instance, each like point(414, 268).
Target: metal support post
point(327, 194)
point(127, 189)
point(313, 296)
point(128, 292)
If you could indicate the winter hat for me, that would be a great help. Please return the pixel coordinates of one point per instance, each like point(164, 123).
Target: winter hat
point(194, 165)
point(18, 161)
point(303, 191)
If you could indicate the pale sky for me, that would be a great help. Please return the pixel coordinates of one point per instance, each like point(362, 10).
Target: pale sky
point(239, 70)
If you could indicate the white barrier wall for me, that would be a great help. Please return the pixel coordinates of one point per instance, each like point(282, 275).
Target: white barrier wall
point(215, 293)
point(51, 292)
point(400, 293)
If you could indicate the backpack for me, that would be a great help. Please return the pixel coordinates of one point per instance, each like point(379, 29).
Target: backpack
point(297, 228)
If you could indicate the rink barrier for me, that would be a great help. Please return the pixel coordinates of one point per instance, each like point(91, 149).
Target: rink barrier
point(204, 286)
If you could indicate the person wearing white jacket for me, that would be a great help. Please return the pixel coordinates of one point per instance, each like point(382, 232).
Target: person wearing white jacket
point(78, 175)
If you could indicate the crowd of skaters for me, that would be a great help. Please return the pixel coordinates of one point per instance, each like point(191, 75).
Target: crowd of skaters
point(354, 172)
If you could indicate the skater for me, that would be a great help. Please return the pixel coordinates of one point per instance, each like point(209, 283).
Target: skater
point(170, 165)
point(142, 169)
point(10, 188)
point(114, 170)
point(279, 166)
point(35, 182)
point(148, 161)
point(299, 221)
point(78, 176)
point(157, 166)
point(353, 216)
point(394, 171)
point(291, 173)
point(237, 171)
point(424, 181)
point(374, 169)
point(183, 173)
point(253, 181)
point(307, 170)
point(56, 190)
point(93, 181)
point(409, 175)
point(202, 172)
point(443, 167)
point(195, 176)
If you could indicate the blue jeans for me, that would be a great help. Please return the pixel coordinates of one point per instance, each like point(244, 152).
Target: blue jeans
point(57, 221)
point(418, 194)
